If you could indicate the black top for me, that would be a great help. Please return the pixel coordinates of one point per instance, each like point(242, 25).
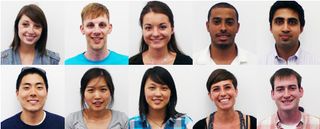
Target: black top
point(202, 124)
point(181, 59)
point(51, 121)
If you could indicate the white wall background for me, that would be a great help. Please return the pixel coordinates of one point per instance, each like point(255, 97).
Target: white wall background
point(56, 25)
point(55, 99)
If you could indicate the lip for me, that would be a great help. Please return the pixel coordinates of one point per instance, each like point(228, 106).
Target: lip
point(223, 37)
point(287, 101)
point(33, 101)
point(284, 36)
point(224, 100)
point(97, 39)
point(97, 103)
point(157, 101)
point(156, 40)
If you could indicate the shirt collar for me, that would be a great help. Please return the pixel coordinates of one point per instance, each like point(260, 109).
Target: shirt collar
point(299, 125)
point(295, 55)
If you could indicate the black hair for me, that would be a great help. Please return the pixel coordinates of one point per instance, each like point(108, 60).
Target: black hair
point(92, 74)
point(32, 70)
point(223, 5)
point(293, 5)
point(162, 76)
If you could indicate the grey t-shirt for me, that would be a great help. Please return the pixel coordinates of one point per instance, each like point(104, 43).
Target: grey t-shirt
point(75, 120)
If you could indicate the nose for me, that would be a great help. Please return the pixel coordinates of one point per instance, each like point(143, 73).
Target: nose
point(223, 28)
point(155, 32)
point(285, 28)
point(286, 93)
point(31, 29)
point(33, 91)
point(157, 92)
point(97, 31)
point(222, 92)
point(97, 95)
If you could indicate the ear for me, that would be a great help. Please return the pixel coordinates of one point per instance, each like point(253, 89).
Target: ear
point(236, 92)
point(207, 25)
point(301, 91)
point(109, 29)
point(82, 29)
point(301, 28)
point(272, 95)
point(209, 95)
point(17, 93)
point(238, 27)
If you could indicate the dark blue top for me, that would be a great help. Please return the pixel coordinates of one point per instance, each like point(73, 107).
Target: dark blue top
point(52, 121)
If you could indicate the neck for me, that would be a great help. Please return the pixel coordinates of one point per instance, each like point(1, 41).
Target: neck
point(157, 115)
point(289, 117)
point(96, 115)
point(158, 56)
point(223, 56)
point(285, 51)
point(32, 118)
point(96, 55)
point(26, 49)
point(226, 116)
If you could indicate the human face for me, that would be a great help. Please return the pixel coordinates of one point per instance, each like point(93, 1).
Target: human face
point(29, 32)
point(223, 94)
point(223, 27)
point(96, 31)
point(286, 27)
point(97, 94)
point(157, 95)
point(286, 93)
point(156, 30)
point(32, 93)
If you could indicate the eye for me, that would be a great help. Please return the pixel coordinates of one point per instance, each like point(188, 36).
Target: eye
point(279, 21)
point(90, 25)
point(102, 25)
point(230, 22)
point(25, 24)
point(37, 26)
point(26, 87)
point(163, 27)
point(216, 21)
point(165, 88)
point(292, 88)
point(293, 21)
point(104, 89)
point(280, 90)
point(90, 90)
point(216, 89)
point(147, 28)
point(39, 87)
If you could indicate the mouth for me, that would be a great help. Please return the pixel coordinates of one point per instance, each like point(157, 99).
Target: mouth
point(33, 101)
point(224, 100)
point(223, 37)
point(29, 37)
point(97, 103)
point(97, 39)
point(287, 101)
point(157, 101)
point(285, 37)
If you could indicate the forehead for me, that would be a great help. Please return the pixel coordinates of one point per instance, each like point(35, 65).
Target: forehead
point(153, 17)
point(25, 18)
point(285, 81)
point(286, 13)
point(101, 18)
point(98, 81)
point(221, 12)
point(32, 78)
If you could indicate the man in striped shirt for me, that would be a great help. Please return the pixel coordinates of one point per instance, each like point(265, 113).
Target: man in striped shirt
point(286, 92)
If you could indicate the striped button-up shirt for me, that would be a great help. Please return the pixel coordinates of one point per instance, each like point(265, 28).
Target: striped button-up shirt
point(307, 122)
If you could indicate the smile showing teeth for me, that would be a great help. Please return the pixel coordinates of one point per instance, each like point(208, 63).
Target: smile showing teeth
point(224, 100)
point(287, 101)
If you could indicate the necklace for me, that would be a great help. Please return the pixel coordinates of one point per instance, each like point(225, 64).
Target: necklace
point(160, 126)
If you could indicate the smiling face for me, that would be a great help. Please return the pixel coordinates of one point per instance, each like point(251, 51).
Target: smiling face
point(29, 32)
point(32, 93)
point(97, 94)
point(96, 31)
point(286, 93)
point(223, 94)
point(286, 27)
point(223, 27)
point(156, 30)
point(156, 95)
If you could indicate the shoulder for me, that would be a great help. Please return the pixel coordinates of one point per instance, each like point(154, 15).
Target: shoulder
point(135, 122)
point(183, 59)
point(119, 114)
point(74, 60)
point(11, 122)
point(116, 58)
point(136, 59)
point(202, 57)
point(201, 124)
point(266, 122)
point(313, 120)
point(6, 56)
point(54, 117)
point(54, 56)
point(74, 116)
